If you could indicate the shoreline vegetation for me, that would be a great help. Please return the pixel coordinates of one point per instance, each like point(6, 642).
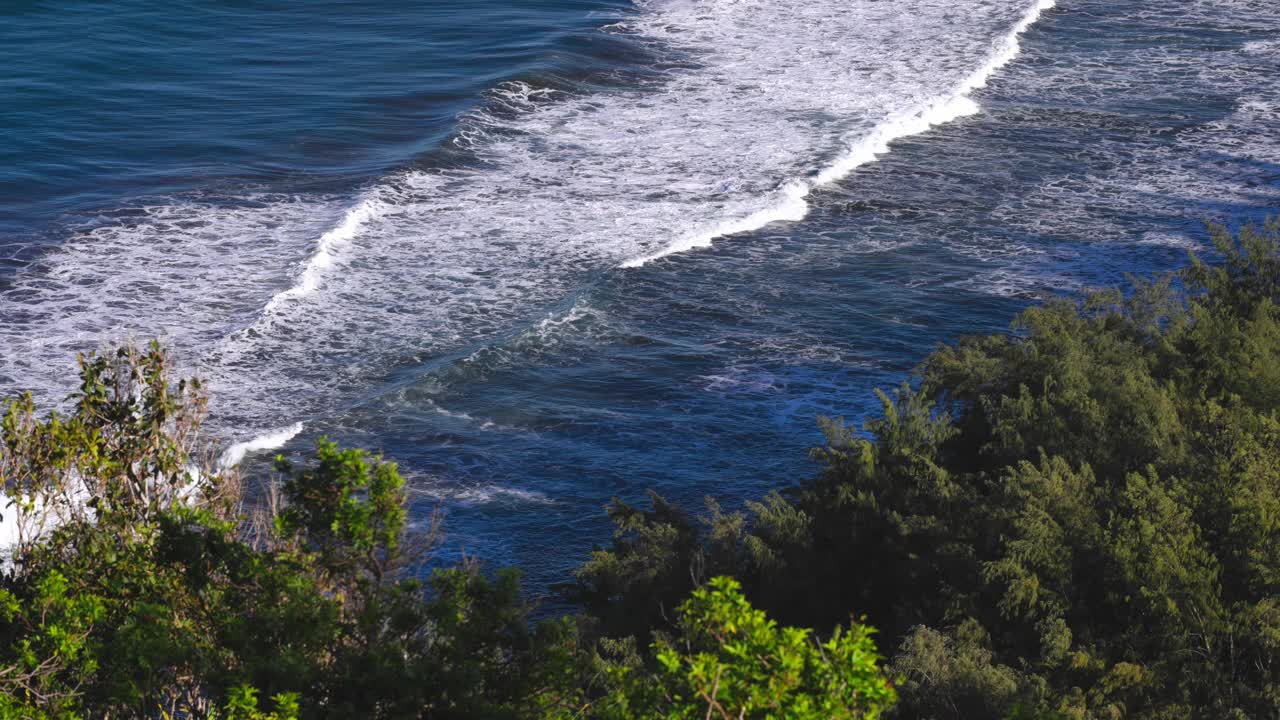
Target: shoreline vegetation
point(1077, 519)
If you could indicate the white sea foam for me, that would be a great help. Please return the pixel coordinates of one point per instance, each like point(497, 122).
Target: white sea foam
point(190, 272)
point(327, 251)
point(31, 516)
point(441, 490)
point(789, 203)
point(272, 440)
point(1161, 239)
point(293, 306)
point(489, 494)
point(1170, 172)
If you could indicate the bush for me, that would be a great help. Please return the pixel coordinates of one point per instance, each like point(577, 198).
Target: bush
point(1080, 518)
point(732, 662)
point(139, 587)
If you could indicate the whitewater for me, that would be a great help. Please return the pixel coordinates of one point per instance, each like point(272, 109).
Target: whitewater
point(292, 306)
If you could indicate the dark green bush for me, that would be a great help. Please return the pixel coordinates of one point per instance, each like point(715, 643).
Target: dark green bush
point(731, 662)
point(138, 586)
point(1080, 518)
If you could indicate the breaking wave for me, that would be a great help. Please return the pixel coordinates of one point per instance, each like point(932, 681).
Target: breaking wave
point(293, 305)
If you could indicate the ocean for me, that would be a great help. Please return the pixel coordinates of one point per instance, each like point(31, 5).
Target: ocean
point(547, 252)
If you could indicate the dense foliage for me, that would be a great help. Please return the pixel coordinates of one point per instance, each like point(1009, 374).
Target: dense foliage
point(733, 662)
point(137, 585)
point(147, 592)
point(1079, 519)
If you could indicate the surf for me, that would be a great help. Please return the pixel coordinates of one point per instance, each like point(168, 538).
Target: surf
point(295, 306)
point(789, 203)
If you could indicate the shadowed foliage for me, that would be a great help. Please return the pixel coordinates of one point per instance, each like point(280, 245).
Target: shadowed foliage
point(1078, 519)
point(138, 585)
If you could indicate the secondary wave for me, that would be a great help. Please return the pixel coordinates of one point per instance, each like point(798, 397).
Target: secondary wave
point(331, 243)
point(789, 202)
point(272, 440)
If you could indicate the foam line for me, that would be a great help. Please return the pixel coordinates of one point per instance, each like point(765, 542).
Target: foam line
point(293, 305)
point(327, 250)
point(45, 518)
point(271, 440)
point(790, 202)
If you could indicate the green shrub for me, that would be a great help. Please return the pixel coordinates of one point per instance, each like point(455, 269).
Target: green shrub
point(731, 662)
point(139, 587)
point(1079, 518)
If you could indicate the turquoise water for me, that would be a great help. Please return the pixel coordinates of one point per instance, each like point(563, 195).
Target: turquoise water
point(544, 253)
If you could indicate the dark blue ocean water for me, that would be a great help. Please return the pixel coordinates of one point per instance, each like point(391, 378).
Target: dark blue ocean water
point(545, 252)
point(103, 101)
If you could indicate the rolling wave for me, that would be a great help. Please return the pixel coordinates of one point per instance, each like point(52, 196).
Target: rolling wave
point(296, 305)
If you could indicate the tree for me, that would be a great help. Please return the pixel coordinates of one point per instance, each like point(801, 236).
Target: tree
point(731, 662)
point(140, 586)
point(1079, 518)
